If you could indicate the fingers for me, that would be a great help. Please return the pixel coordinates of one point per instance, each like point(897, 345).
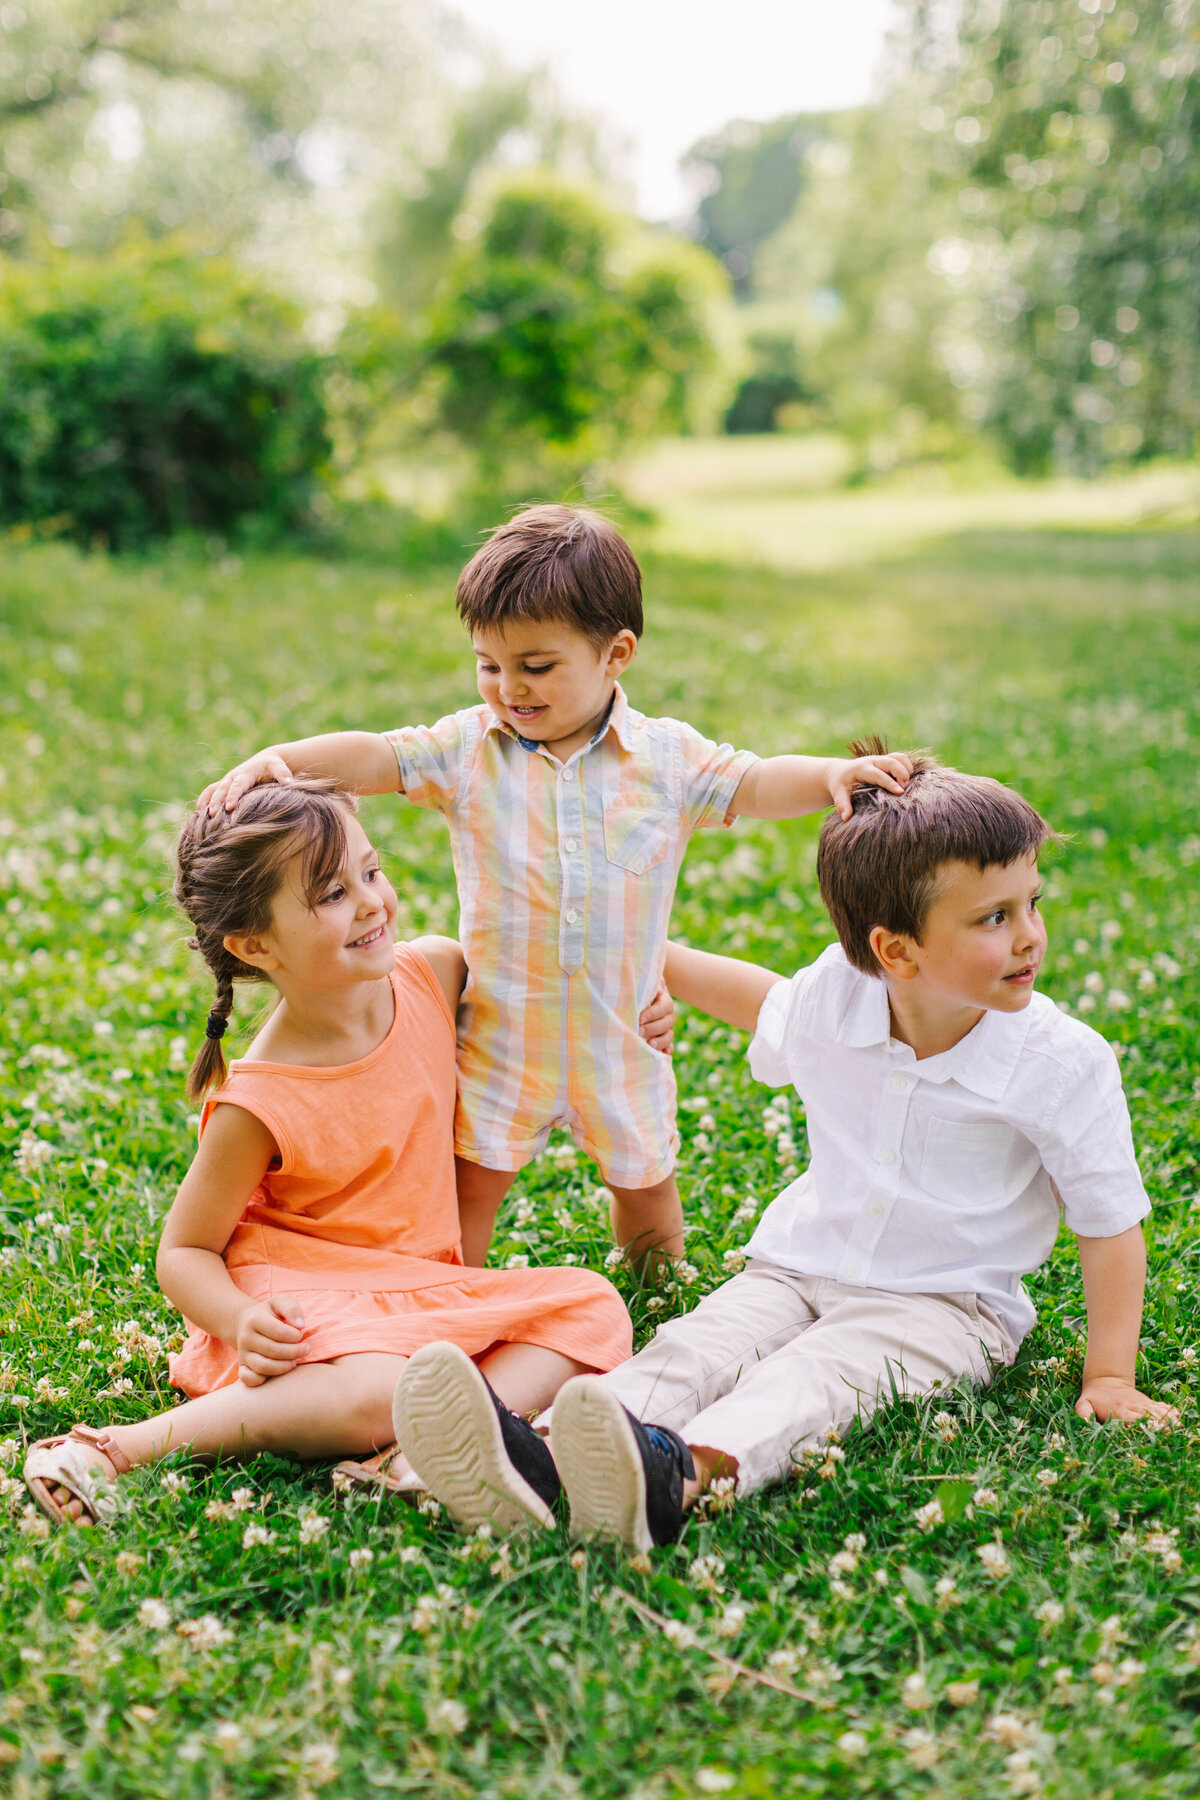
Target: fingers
point(1085, 1409)
point(248, 1378)
point(262, 1364)
point(288, 1308)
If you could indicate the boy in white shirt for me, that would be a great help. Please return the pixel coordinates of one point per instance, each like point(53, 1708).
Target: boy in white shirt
point(953, 1116)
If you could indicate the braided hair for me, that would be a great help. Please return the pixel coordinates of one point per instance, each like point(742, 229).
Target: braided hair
point(228, 872)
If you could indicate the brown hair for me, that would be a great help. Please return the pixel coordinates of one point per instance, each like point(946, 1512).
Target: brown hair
point(880, 866)
point(228, 872)
point(554, 562)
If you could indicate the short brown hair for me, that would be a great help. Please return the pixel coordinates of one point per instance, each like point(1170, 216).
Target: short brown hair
point(554, 562)
point(880, 866)
point(228, 871)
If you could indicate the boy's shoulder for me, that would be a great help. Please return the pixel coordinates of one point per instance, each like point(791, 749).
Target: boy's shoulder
point(1061, 1038)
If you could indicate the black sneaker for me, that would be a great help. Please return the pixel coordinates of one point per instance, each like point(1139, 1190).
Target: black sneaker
point(624, 1479)
point(485, 1464)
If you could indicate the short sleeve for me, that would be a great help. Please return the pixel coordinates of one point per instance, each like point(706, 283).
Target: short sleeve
point(712, 774)
point(430, 760)
point(766, 1055)
point(1087, 1150)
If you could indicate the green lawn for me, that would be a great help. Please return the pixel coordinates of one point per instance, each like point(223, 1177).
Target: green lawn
point(359, 1648)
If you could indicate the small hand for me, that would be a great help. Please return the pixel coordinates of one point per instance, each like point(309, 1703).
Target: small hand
point(891, 772)
point(268, 1338)
point(1112, 1397)
point(657, 1022)
point(256, 770)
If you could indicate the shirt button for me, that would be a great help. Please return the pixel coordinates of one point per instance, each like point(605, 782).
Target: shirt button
point(853, 1269)
point(898, 1084)
point(571, 845)
point(883, 1156)
point(568, 774)
point(572, 916)
point(877, 1212)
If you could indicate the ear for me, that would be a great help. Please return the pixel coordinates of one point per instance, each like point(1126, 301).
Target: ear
point(621, 653)
point(252, 950)
point(895, 954)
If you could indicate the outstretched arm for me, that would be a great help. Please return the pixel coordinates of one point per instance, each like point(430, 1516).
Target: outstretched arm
point(1114, 1282)
point(721, 986)
point(784, 787)
point(362, 762)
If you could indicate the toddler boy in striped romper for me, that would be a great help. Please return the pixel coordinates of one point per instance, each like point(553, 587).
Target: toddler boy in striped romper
point(569, 814)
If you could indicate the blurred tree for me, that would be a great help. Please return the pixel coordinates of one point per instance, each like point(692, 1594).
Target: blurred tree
point(776, 380)
point(563, 331)
point(749, 178)
point(254, 125)
point(1076, 128)
point(153, 392)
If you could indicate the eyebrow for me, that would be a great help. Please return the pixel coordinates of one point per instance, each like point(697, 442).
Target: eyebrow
point(521, 655)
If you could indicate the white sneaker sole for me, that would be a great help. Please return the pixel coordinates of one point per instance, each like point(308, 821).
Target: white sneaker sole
point(446, 1425)
point(600, 1465)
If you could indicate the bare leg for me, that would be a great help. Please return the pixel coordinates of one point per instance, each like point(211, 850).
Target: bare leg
point(527, 1376)
point(480, 1192)
point(648, 1222)
point(319, 1410)
point(711, 1465)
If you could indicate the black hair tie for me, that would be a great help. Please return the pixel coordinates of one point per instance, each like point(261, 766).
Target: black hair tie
point(216, 1025)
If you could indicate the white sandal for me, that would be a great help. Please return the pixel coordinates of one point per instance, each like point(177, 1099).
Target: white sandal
point(63, 1462)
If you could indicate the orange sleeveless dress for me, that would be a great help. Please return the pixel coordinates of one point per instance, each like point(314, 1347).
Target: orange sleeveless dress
point(358, 1217)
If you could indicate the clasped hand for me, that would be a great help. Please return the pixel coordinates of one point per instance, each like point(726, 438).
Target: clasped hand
point(269, 1337)
point(1112, 1397)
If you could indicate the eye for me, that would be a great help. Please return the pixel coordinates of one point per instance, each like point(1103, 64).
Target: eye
point(541, 669)
point(333, 896)
point(995, 918)
point(372, 873)
point(1036, 902)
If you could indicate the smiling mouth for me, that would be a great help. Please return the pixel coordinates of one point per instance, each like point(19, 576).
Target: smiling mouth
point(372, 937)
point(1025, 974)
point(526, 712)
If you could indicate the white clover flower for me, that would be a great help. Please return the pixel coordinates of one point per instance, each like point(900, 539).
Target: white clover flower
point(783, 1661)
point(946, 1589)
point(734, 1261)
point(984, 1496)
point(34, 1524)
point(676, 1632)
point(256, 1534)
point(852, 1743)
point(313, 1525)
point(843, 1562)
point(614, 1258)
point(1046, 1478)
point(361, 1559)
point(242, 1499)
point(994, 1558)
point(922, 1748)
point(1008, 1728)
point(320, 1760)
point(1118, 1000)
point(204, 1633)
point(962, 1693)
point(929, 1516)
point(154, 1615)
point(1111, 1631)
point(946, 1426)
point(855, 1542)
point(914, 1692)
point(175, 1483)
point(714, 1781)
point(229, 1737)
point(731, 1621)
point(518, 1260)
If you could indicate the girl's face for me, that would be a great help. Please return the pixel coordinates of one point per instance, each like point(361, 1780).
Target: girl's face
point(346, 934)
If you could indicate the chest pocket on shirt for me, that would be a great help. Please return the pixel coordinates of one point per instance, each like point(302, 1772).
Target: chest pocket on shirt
point(973, 1165)
point(638, 831)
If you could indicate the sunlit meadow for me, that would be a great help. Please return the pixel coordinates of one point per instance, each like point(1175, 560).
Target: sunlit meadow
point(980, 1592)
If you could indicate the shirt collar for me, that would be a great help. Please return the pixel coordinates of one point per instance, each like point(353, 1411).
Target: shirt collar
point(982, 1061)
point(617, 721)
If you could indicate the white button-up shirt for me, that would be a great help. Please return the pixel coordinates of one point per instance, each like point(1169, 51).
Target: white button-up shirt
point(949, 1174)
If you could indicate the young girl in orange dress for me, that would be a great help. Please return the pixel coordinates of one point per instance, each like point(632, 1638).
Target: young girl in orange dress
point(314, 1243)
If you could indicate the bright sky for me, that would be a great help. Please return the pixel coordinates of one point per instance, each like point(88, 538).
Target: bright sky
point(666, 72)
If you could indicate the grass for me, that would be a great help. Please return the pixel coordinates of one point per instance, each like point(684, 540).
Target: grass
point(351, 1647)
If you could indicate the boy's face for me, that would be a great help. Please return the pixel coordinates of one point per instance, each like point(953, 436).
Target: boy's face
point(984, 938)
point(548, 681)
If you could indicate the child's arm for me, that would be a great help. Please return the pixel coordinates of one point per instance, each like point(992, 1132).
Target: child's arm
point(722, 986)
point(363, 762)
point(1114, 1282)
point(784, 787)
point(444, 956)
point(234, 1155)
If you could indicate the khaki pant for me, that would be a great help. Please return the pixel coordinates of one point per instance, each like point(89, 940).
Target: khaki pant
point(765, 1365)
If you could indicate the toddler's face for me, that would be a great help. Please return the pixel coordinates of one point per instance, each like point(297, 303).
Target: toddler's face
point(984, 938)
point(348, 933)
point(548, 681)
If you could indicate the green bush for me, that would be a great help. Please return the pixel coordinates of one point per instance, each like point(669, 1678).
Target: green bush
point(152, 393)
